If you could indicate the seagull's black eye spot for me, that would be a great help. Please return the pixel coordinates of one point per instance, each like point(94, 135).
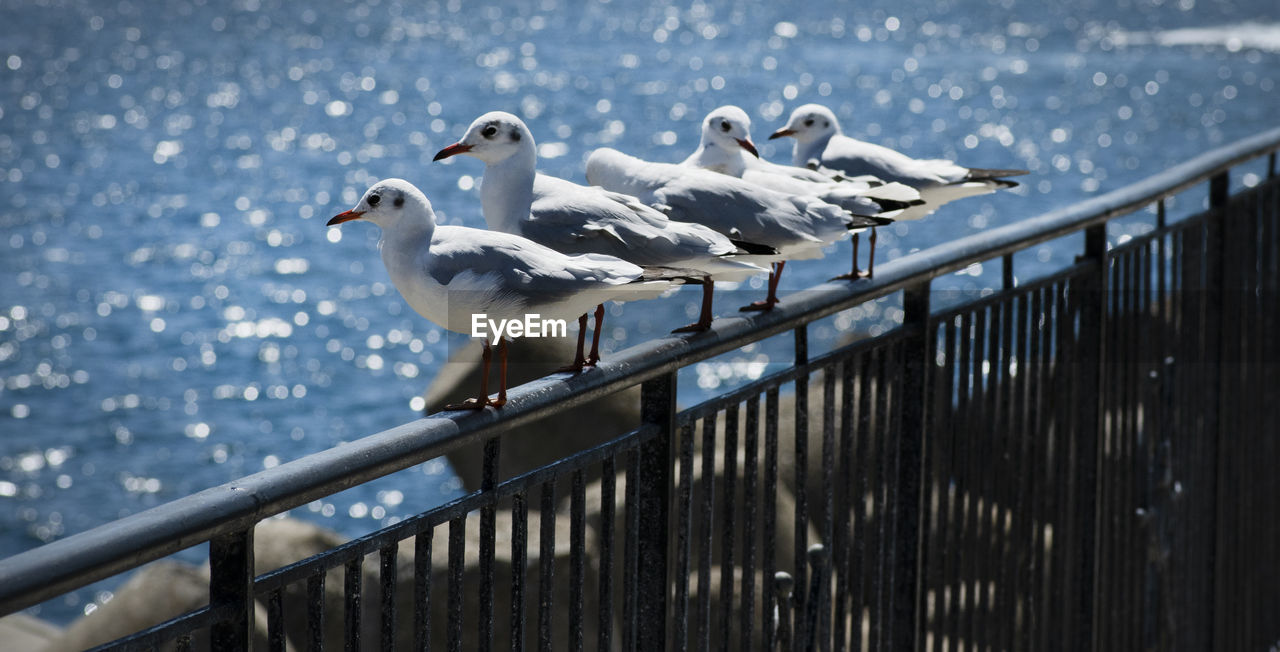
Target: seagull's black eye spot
point(374, 199)
point(826, 124)
point(399, 201)
point(724, 126)
point(515, 136)
point(809, 122)
point(489, 131)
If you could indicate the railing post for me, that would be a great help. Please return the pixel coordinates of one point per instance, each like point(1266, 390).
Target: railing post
point(657, 408)
point(1091, 301)
point(231, 583)
point(488, 521)
point(908, 513)
point(1212, 297)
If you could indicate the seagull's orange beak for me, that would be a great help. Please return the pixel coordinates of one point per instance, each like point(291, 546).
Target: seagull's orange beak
point(344, 217)
point(748, 145)
point(781, 133)
point(456, 148)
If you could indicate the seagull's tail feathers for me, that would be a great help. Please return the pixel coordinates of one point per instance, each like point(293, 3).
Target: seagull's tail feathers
point(753, 248)
point(888, 205)
point(983, 174)
point(674, 275)
point(865, 221)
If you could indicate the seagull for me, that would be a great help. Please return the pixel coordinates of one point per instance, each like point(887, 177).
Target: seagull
point(796, 226)
point(450, 274)
point(576, 219)
point(726, 147)
point(819, 140)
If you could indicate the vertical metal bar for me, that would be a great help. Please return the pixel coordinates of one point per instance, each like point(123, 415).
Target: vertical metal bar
point(945, 423)
point(1022, 424)
point(817, 557)
point(706, 519)
point(275, 621)
point(1062, 579)
point(387, 579)
point(231, 583)
point(684, 516)
point(519, 566)
point(657, 408)
point(422, 568)
point(1007, 279)
point(1004, 615)
point(1215, 267)
point(801, 469)
point(1092, 356)
point(457, 570)
point(770, 498)
point(992, 455)
point(315, 612)
point(608, 489)
point(751, 442)
point(823, 635)
point(1219, 189)
point(352, 579)
point(970, 550)
point(577, 563)
point(783, 607)
point(727, 525)
point(1137, 337)
point(488, 522)
point(630, 555)
point(1041, 484)
point(546, 563)
point(844, 505)
point(871, 509)
point(905, 591)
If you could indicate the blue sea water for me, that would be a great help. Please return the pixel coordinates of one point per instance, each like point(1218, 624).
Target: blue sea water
point(174, 314)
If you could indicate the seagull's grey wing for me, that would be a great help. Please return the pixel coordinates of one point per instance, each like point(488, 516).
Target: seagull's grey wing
point(521, 267)
point(577, 219)
point(855, 157)
point(735, 207)
point(802, 174)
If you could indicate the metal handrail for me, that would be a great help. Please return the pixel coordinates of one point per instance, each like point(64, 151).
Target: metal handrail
point(34, 576)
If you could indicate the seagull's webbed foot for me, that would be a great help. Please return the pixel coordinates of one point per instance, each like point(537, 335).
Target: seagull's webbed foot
point(469, 404)
point(759, 306)
point(574, 367)
point(696, 327)
point(704, 314)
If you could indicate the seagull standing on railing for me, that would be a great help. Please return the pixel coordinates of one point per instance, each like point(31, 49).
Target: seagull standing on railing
point(576, 219)
point(820, 142)
point(450, 274)
point(796, 226)
point(726, 147)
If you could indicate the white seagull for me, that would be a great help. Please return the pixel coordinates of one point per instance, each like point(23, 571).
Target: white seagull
point(726, 147)
point(796, 226)
point(577, 219)
point(450, 273)
point(819, 140)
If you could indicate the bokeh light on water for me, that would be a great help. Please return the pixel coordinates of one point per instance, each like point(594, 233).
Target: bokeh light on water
point(175, 315)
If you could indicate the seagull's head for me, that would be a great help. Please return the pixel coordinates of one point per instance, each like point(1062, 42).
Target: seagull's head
point(728, 128)
point(493, 138)
point(809, 123)
point(388, 203)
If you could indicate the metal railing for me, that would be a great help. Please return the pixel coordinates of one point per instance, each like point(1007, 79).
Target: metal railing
point(1082, 461)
